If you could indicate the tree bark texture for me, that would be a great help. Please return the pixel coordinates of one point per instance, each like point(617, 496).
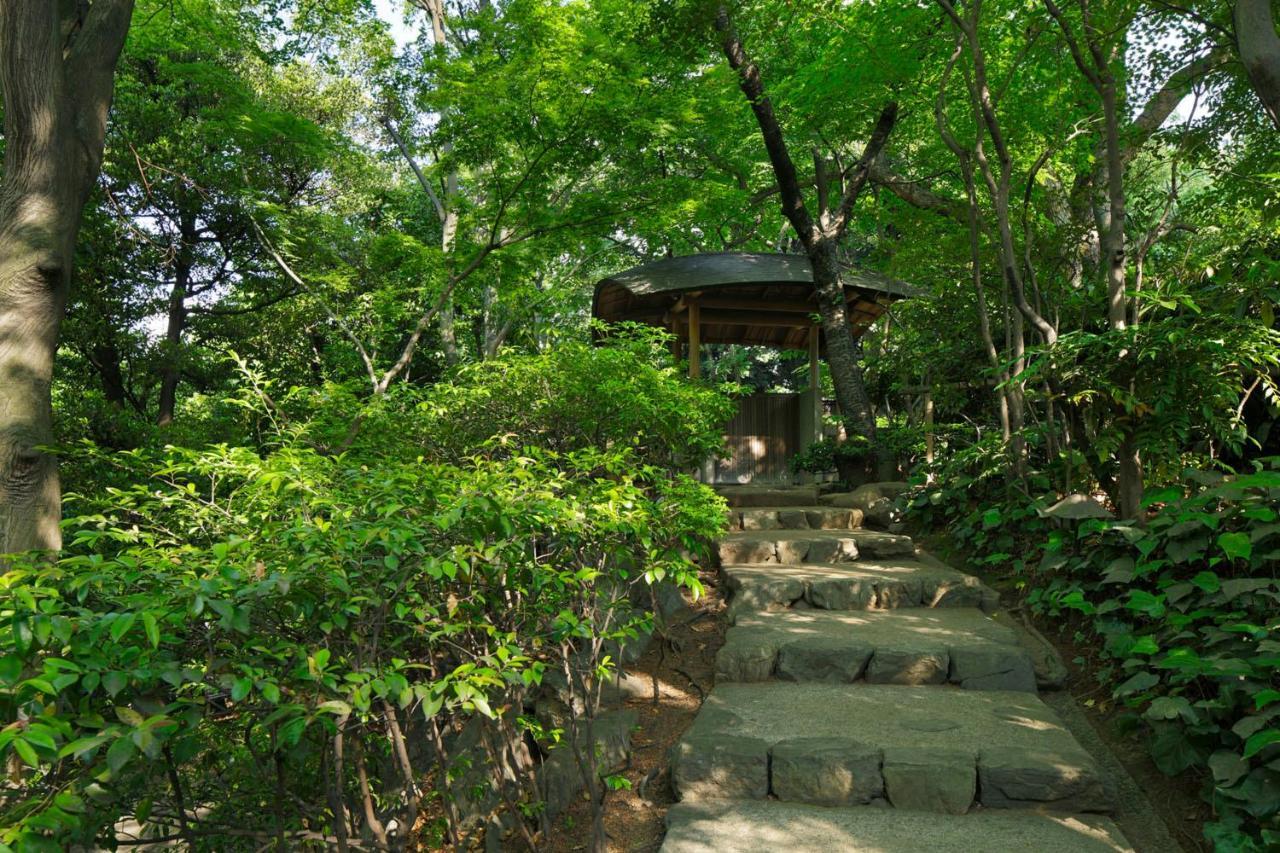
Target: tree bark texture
point(57, 65)
point(1259, 47)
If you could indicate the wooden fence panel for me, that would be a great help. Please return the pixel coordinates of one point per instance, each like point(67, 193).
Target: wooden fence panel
point(761, 440)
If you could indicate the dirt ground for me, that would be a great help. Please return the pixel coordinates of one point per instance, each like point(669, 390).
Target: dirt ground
point(684, 666)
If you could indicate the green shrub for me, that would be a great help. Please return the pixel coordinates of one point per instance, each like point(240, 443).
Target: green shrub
point(1186, 611)
point(627, 394)
point(828, 455)
point(242, 646)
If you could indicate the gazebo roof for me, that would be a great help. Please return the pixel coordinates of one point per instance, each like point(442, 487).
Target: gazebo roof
point(754, 299)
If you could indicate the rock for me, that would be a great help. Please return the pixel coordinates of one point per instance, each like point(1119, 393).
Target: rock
point(879, 546)
point(930, 780)
point(560, 779)
point(720, 767)
point(842, 593)
point(993, 667)
point(908, 666)
point(1067, 780)
point(793, 550)
point(737, 548)
point(825, 771)
point(1050, 670)
point(894, 593)
point(671, 606)
point(833, 518)
point(832, 550)
point(1077, 508)
point(793, 519)
point(626, 685)
point(774, 496)
point(745, 660)
point(876, 500)
point(823, 659)
point(962, 591)
point(760, 519)
point(752, 588)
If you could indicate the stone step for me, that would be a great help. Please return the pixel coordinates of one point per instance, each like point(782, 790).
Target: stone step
point(758, 825)
point(813, 546)
point(743, 496)
point(861, 585)
point(962, 646)
point(936, 749)
point(794, 518)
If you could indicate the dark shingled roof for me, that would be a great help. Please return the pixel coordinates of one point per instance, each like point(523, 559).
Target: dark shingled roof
point(756, 299)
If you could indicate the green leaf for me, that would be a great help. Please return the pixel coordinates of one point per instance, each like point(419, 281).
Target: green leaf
point(334, 706)
point(1138, 683)
point(114, 682)
point(1260, 741)
point(1236, 545)
point(1264, 698)
point(121, 625)
point(119, 753)
point(26, 752)
point(240, 688)
point(152, 628)
point(10, 669)
point(1171, 751)
point(1207, 581)
point(1228, 768)
point(128, 716)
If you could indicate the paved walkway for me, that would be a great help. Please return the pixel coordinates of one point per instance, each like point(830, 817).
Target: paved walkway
point(866, 701)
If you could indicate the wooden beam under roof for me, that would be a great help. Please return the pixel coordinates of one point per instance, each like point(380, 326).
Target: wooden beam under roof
point(756, 318)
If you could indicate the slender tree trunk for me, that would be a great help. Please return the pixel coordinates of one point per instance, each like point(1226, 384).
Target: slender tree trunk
point(57, 62)
point(1259, 47)
point(177, 320)
point(105, 358)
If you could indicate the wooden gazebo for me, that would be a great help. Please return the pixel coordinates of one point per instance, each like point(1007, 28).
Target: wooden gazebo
point(751, 299)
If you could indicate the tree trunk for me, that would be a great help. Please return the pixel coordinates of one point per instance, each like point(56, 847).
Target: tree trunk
point(177, 319)
point(1259, 47)
point(56, 77)
point(820, 238)
point(105, 358)
point(842, 354)
point(1129, 480)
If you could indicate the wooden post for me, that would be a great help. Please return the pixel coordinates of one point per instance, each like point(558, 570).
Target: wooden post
point(815, 382)
point(695, 335)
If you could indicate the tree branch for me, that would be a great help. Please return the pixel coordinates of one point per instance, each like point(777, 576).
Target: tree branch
point(752, 85)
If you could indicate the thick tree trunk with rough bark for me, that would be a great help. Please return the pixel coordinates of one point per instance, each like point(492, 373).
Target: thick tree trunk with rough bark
point(57, 63)
point(820, 237)
point(1259, 46)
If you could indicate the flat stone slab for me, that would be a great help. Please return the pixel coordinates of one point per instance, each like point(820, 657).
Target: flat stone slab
point(934, 748)
point(754, 825)
point(962, 646)
point(855, 585)
point(742, 496)
point(812, 546)
point(794, 518)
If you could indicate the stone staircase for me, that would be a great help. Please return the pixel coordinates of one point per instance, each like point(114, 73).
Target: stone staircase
point(865, 700)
